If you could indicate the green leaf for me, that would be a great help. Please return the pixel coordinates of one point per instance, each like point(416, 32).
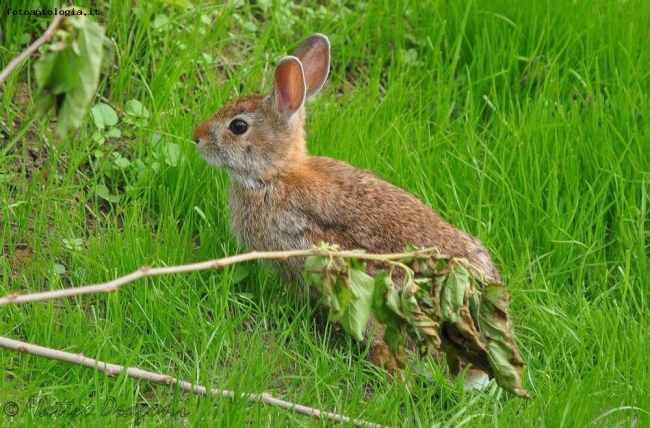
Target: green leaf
point(59, 269)
point(98, 138)
point(103, 192)
point(239, 273)
point(104, 116)
point(208, 59)
point(139, 164)
point(144, 175)
point(452, 294)
point(44, 69)
point(155, 140)
point(24, 39)
point(135, 108)
point(73, 244)
point(91, 42)
point(313, 272)
point(69, 71)
point(357, 315)
point(122, 163)
point(172, 154)
point(386, 301)
point(113, 133)
point(160, 22)
point(7, 178)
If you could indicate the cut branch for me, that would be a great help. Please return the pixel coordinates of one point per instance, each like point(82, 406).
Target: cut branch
point(137, 373)
point(147, 271)
point(32, 48)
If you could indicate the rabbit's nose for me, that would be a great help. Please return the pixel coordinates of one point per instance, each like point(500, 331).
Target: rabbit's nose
point(200, 132)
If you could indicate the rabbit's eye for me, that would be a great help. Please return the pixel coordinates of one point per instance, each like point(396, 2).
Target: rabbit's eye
point(238, 126)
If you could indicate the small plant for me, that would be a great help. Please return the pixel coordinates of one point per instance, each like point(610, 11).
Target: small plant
point(136, 114)
point(74, 244)
point(105, 119)
point(121, 174)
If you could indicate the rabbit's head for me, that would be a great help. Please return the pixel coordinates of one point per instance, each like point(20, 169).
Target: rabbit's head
point(259, 138)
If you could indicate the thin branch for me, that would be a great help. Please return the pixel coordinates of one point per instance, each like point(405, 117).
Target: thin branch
point(147, 271)
point(32, 48)
point(113, 370)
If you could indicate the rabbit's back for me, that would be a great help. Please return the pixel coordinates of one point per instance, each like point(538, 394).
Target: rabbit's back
point(329, 200)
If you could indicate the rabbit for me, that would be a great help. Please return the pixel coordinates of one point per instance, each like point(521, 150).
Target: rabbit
point(283, 199)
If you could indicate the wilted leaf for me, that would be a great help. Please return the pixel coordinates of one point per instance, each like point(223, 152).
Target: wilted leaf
point(444, 292)
point(44, 69)
point(423, 324)
point(339, 299)
point(503, 354)
point(69, 71)
point(395, 338)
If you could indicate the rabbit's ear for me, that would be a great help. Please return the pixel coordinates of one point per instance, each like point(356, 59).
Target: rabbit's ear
point(314, 53)
point(289, 89)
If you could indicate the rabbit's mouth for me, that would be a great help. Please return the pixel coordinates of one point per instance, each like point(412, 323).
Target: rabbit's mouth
point(236, 171)
point(200, 146)
point(212, 155)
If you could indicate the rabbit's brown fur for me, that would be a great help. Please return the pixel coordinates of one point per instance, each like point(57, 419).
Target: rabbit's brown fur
point(283, 199)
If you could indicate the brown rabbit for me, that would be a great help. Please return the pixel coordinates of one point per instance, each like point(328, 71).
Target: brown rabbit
point(282, 199)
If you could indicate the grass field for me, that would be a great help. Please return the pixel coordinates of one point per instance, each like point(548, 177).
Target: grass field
point(526, 124)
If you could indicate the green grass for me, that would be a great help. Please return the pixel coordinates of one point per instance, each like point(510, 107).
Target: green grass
point(525, 124)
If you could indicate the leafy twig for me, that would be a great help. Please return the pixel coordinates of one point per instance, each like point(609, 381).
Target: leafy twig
point(136, 373)
point(32, 48)
point(147, 271)
point(448, 297)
